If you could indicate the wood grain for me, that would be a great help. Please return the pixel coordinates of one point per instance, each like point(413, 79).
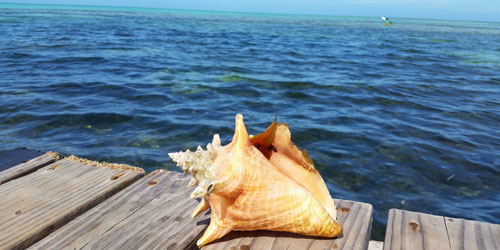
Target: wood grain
point(152, 213)
point(375, 245)
point(407, 230)
point(20, 162)
point(36, 204)
point(411, 230)
point(356, 217)
point(473, 235)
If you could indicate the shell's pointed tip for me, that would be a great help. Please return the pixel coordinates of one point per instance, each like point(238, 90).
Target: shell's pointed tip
point(202, 206)
point(212, 233)
point(202, 242)
point(239, 118)
point(240, 137)
point(199, 243)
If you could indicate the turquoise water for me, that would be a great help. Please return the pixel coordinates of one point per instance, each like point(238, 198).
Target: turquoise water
point(404, 116)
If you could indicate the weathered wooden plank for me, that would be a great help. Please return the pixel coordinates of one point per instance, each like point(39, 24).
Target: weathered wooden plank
point(409, 230)
point(19, 162)
point(152, 213)
point(473, 235)
point(412, 230)
point(375, 245)
point(356, 218)
point(36, 204)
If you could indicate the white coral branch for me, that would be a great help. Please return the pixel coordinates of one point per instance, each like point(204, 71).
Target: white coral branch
point(198, 164)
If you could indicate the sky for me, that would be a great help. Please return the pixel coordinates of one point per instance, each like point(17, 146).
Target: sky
point(474, 10)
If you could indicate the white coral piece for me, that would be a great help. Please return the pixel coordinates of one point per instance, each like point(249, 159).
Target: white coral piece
point(199, 165)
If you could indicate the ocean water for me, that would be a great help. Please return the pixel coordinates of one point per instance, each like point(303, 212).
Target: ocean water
point(405, 116)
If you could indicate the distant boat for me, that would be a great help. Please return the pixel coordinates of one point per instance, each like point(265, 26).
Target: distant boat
point(387, 22)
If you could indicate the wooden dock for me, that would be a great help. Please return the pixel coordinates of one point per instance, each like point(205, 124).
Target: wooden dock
point(411, 230)
point(73, 203)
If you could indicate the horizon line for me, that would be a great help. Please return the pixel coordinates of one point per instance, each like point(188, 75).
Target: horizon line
point(237, 12)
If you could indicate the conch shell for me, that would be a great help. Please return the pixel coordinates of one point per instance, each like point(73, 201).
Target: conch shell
point(261, 182)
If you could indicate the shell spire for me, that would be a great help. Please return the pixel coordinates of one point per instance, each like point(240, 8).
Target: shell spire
point(259, 183)
point(197, 164)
